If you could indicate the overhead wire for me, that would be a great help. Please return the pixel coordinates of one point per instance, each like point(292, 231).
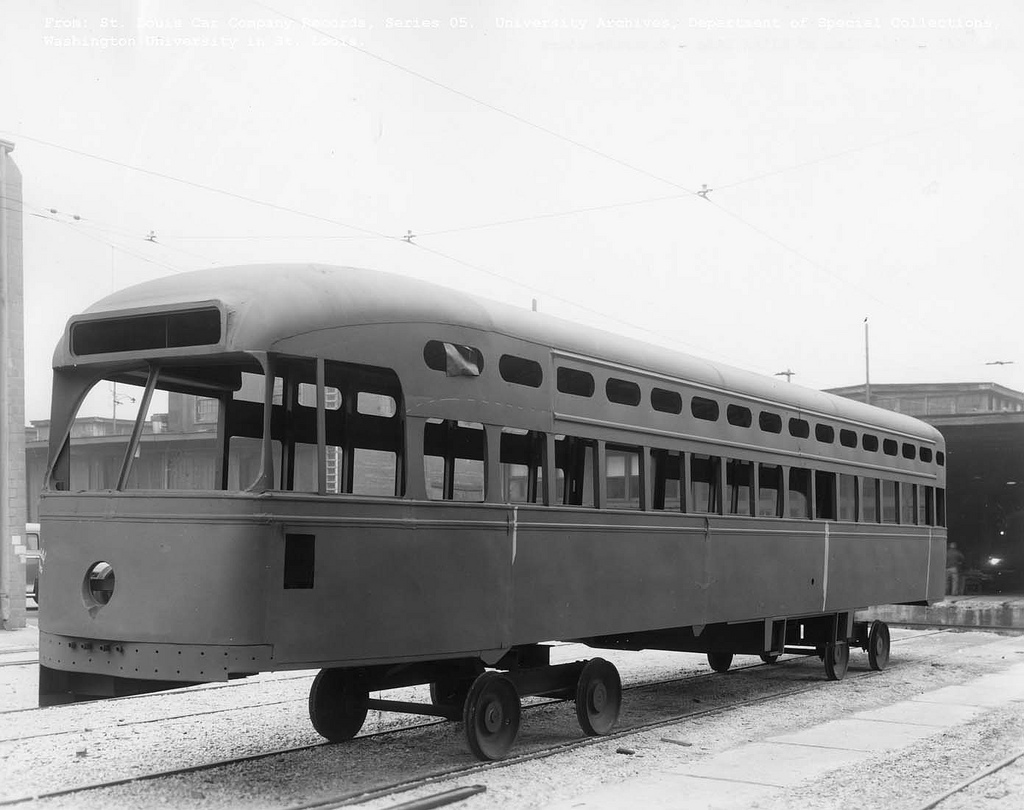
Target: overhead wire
point(201, 186)
point(473, 99)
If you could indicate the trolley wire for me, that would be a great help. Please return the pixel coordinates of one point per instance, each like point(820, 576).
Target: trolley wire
point(201, 186)
point(473, 99)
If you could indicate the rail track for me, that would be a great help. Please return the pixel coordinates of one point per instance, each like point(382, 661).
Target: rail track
point(529, 705)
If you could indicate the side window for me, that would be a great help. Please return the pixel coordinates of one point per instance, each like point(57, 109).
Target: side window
point(888, 501)
point(847, 497)
point(574, 381)
point(870, 495)
point(575, 459)
point(453, 359)
point(825, 495)
point(800, 428)
point(908, 503)
point(738, 415)
point(622, 477)
point(666, 401)
point(739, 482)
point(769, 490)
point(453, 460)
point(668, 489)
point(926, 516)
point(940, 506)
point(704, 408)
point(704, 489)
point(622, 392)
point(522, 468)
point(520, 371)
point(799, 492)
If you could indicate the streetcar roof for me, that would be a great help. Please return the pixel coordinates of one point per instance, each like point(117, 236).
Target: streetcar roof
point(268, 303)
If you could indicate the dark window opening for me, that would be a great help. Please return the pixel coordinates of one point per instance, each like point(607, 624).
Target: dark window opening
point(847, 438)
point(770, 422)
point(909, 451)
point(705, 491)
point(824, 433)
point(825, 495)
point(870, 493)
point(162, 330)
point(739, 416)
point(799, 492)
point(453, 359)
point(666, 401)
point(520, 371)
point(668, 489)
point(926, 515)
point(940, 458)
point(870, 442)
point(800, 428)
point(926, 455)
point(575, 459)
point(739, 483)
point(890, 447)
point(575, 382)
point(769, 490)
point(940, 506)
point(703, 408)
point(622, 392)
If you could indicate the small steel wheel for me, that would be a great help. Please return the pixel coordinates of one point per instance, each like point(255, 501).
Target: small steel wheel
point(878, 645)
point(769, 658)
point(491, 716)
point(837, 659)
point(598, 697)
point(337, 704)
point(720, 661)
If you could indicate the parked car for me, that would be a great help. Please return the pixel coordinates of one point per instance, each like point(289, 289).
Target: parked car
point(33, 551)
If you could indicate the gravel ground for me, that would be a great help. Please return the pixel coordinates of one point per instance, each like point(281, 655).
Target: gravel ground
point(49, 749)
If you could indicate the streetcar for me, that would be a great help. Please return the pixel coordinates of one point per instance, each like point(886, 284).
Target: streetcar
point(410, 485)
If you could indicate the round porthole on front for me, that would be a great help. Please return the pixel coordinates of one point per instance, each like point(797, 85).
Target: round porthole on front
point(98, 586)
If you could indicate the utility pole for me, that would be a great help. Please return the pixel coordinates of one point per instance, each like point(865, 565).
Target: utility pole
point(788, 374)
point(867, 365)
point(12, 398)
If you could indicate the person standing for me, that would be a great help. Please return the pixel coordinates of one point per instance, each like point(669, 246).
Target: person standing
point(954, 561)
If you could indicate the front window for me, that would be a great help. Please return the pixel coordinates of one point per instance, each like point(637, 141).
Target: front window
point(287, 423)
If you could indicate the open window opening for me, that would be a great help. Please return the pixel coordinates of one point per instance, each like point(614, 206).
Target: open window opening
point(232, 423)
point(453, 460)
point(705, 489)
point(825, 495)
point(622, 477)
point(799, 492)
point(739, 483)
point(575, 459)
point(668, 481)
point(522, 466)
point(769, 490)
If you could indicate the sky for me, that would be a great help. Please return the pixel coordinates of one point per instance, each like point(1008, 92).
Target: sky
point(863, 166)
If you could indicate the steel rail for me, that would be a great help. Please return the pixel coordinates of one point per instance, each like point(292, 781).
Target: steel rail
point(422, 781)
